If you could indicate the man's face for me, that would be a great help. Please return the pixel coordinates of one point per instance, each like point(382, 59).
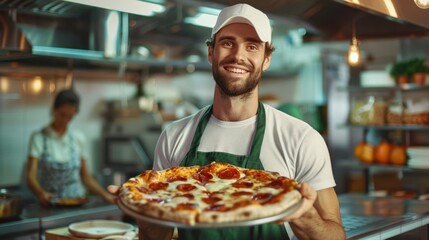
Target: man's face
point(238, 59)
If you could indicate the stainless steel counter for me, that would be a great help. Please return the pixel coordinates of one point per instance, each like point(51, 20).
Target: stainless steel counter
point(363, 217)
point(366, 217)
point(34, 218)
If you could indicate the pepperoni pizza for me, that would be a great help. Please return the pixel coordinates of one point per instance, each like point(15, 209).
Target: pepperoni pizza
point(215, 193)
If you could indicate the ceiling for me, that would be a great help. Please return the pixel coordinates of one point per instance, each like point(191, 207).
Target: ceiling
point(333, 19)
point(51, 26)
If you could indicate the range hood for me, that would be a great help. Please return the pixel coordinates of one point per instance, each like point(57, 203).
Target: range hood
point(56, 31)
point(334, 19)
point(12, 39)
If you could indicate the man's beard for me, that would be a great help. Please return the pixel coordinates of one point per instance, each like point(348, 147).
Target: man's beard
point(225, 84)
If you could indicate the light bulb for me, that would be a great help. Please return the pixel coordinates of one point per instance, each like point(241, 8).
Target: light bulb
point(36, 85)
point(423, 4)
point(353, 55)
point(4, 85)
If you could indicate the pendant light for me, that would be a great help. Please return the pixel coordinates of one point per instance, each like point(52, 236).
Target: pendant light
point(353, 55)
point(423, 4)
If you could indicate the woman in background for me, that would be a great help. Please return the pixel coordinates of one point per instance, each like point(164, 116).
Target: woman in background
point(56, 163)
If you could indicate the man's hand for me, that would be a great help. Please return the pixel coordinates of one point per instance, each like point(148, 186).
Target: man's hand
point(309, 196)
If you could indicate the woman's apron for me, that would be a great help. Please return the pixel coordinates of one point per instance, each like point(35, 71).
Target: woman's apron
point(61, 178)
point(193, 157)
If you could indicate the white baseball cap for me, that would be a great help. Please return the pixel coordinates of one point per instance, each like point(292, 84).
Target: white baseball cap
point(244, 13)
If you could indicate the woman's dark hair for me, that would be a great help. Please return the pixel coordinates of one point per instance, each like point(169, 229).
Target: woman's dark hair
point(66, 96)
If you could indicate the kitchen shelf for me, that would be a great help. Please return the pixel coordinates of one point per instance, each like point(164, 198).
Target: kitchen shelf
point(369, 169)
point(411, 127)
point(405, 88)
point(356, 164)
point(407, 134)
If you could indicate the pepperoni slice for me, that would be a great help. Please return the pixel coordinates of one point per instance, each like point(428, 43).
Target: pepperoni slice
point(275, 199)
point(229, 173)
point(176, 178)
point(211, 200)
point(186, 206)
point(241, 193)
point(186, 195)
point(158, 186)
point(278, 183)
point(186, 187)
point(262, 197)
point(203, 176)
point(243, 203)
point(242, 184)
point(215, 192)
point(143, 190)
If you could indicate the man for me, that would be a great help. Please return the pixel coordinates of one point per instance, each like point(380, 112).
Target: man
point(240, 130)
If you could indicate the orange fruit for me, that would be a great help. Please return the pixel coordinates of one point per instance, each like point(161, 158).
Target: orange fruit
point(382, 152)
point(359, 149)
point(398, 155)
point(368, 153)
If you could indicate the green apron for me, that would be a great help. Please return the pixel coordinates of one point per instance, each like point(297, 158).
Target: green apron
point(193, 157)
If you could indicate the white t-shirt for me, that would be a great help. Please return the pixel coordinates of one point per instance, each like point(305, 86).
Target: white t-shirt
point(290, 146)
point(57, 146)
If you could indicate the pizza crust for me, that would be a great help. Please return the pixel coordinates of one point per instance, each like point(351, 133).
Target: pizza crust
point(164, 212)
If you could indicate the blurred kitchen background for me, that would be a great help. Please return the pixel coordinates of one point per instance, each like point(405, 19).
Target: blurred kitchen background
point(136, 71)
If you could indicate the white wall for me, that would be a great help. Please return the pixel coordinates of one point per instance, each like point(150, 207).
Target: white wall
point(22, 113)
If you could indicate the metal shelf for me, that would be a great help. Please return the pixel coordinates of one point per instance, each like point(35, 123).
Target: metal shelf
point(404, 132)
point(404, 88)
point(411, 127)
point(369, 169)
point(355, 164)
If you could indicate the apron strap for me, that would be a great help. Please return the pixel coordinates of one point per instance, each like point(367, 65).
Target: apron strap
point(200, 129)
point(255, 151)
point(192, 153)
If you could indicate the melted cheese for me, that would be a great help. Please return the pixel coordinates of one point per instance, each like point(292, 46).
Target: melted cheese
point(270, 190)
point(217, 184)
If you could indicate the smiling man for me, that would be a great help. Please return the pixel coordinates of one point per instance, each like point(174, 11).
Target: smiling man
point(240, 130)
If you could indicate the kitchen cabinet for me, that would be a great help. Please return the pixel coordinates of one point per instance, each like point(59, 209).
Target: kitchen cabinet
point(371, 122)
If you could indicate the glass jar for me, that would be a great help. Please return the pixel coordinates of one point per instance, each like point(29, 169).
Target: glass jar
point(368, 110)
